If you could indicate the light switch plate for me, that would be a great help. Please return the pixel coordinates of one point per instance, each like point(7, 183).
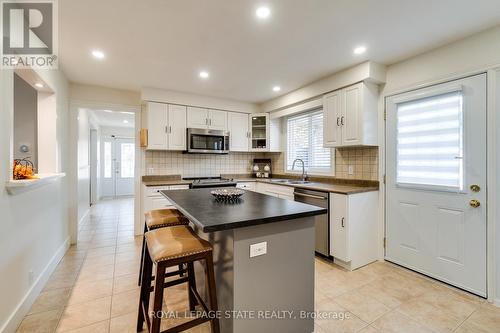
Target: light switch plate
point(350, 170)
point(258, 249)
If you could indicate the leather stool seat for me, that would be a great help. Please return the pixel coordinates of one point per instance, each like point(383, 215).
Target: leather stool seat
point(164, 218)
point(174, 243)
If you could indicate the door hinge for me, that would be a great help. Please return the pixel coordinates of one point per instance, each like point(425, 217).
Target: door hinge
point(383, 179)
point(385, 242)
point(385, 114)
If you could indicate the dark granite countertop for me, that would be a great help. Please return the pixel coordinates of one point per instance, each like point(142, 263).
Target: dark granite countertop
point(253, 209)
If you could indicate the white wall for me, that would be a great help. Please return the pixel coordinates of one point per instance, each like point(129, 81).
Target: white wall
point(475, 53)
point(88, 93)
point(34, 224)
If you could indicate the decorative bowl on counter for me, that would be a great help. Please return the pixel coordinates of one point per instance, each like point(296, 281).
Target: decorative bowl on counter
point(227, 194)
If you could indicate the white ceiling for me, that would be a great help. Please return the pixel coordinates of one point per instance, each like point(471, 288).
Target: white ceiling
point(108, 118)
point(164, 44)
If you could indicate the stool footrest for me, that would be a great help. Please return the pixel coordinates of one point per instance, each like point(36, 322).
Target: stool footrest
point(186, 325)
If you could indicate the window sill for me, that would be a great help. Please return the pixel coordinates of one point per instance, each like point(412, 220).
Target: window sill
point(23, 185)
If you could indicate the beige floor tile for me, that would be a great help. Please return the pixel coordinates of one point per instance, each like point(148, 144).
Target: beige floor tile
point(369, 329)
point(127, 256)
point(106, 259)
point(347, 323)
point(95, 273)
point(125, 283)
point(101, 251)
point(50, 300)
point(127, 268)
point(90, 290)
point(126, 323)
point(100, 327)
point(482, 320)
point(396, 322)
point(124, 303)
point(366, 308)
point(85, 314)
point(60, 281)
point(43, 322)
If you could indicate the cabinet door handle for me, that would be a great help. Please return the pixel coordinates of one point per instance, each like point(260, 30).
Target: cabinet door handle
point(166, 129)
point(210, 121)
point(342, 120)
point(338, 121)
point(170, 129)
point(342, 223)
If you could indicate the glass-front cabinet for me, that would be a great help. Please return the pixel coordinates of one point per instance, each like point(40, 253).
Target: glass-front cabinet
point(259, 129)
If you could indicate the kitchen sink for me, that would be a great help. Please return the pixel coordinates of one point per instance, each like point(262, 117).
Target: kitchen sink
point(289, 181)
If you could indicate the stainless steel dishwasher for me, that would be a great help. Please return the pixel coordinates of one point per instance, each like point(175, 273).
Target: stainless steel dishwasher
point(322, 225)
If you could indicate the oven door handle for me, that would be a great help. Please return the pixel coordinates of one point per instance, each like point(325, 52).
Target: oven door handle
point(310, 196)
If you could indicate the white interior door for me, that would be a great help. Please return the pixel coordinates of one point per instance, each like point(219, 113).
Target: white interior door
point(436, 178)
point(118, 166)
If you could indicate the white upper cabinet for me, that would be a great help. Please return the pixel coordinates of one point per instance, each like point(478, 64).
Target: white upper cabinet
point(177, 127)
point(197, 117)
point(206, 118)
point(350, 116)
point(332, 134)
point(166, 126)
point(238, 131)
point(157, 114)
point(217, 120)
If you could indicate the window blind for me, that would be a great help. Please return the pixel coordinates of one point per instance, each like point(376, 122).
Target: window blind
point(305, 141)
point(430, 141)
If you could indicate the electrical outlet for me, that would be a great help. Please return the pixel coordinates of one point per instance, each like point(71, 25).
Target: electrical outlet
point(151, 171)
point(350, 170)
point(258, 249)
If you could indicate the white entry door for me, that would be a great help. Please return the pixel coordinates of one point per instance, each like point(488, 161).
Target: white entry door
point(436, 182)
point(118, 167)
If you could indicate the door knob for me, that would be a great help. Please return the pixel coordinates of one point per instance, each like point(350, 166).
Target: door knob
point(474, 203)
point(475, 188)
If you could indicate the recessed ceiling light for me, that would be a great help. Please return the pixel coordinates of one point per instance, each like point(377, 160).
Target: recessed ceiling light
point(108, 111)
point(263, 12)
point(38, 85)
point(125, 121)
point(124, 112)
point(360, 50)
point(98, 54)
point(276, 88)
point(204, 74)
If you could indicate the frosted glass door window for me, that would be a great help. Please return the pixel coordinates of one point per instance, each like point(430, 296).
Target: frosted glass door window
point(430, 142)
point(108, 160)
point(127, 160)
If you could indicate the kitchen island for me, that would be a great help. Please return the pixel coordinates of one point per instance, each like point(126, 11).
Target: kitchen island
point(270, 289)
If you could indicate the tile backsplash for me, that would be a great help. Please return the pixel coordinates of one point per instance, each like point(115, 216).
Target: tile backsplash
point(198, 165)
point(363, 160)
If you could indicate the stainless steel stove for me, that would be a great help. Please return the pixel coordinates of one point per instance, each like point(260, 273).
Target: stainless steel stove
point(202, 182)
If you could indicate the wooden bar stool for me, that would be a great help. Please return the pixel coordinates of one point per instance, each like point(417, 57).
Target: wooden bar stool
point(161, 218)
point(167, 247)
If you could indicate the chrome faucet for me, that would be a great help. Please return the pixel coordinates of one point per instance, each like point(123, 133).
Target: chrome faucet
point(304, 174)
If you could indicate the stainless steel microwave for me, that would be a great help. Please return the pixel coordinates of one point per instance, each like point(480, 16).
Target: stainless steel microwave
point(207, 141)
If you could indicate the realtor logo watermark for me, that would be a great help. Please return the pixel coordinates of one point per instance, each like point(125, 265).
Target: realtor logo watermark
point(29, 30)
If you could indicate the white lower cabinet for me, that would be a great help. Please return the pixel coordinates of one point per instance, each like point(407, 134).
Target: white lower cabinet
point(249, 186)
point(353, 229)
point(153, 199)
point(279, 191)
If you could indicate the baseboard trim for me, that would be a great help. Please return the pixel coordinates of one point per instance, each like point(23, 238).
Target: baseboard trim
point(496, 302)
point(24, 306)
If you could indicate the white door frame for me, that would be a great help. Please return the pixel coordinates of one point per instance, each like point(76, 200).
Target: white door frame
point(493, 160)
point(73, 160)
